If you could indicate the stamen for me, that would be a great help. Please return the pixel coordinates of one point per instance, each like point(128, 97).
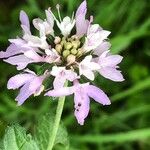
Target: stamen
point(52, 13)
point(72, 17)
point(58, 9)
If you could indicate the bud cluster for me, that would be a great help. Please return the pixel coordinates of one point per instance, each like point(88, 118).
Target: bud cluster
point(68, 48)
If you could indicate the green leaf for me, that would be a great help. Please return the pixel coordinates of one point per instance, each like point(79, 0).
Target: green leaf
point(16, 138)
point(44, 129)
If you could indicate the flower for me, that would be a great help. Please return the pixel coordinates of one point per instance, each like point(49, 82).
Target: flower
point(86, 67)
point(47, 24)
point(78, 48)
point(81, 92)
point(30, 84)
point(108, 66)
point(61, 75)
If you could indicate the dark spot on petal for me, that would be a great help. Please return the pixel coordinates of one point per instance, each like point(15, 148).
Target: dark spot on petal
point(79, 104)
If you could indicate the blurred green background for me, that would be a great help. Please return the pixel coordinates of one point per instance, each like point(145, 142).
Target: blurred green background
point(125, 124)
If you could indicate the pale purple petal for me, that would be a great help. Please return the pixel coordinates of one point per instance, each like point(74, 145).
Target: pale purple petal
point(36, 83)
point(24, 94)
point(81, 23)
point(33, 55)
point(70, 75)
point(49, 18)
point(112, 74)
point(82, 106)
point(104, 46)
point(18, 80)
point(60, 92)
point(97, 94)
point(110, 61)
point(26, 29)
point(36, 23)
point(12, 50)
point(18, 41)
point(59, 82)
point(82, 9)
point(24, 19)
point(21, 61)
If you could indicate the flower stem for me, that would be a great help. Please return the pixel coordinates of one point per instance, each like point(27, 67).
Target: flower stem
point(57, 119)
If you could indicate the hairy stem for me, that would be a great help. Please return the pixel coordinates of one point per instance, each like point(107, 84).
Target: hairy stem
point(57, 119)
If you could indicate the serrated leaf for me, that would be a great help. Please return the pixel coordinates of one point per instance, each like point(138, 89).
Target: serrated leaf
point(16, 138)
point(44, 129)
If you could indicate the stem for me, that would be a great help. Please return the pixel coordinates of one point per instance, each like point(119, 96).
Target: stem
point(57, 119)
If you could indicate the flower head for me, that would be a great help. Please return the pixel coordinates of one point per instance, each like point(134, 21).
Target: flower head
point(78, 49)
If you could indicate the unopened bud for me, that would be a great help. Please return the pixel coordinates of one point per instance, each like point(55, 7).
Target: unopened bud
point(71, 59)
point(58, 48)
point(68, 45)
point(74, 51)
point(76, 44)
point(74, 37)
point(57, 40)
point(66, 53)
point(80, 51)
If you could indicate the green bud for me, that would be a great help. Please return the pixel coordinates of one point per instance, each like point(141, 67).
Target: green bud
point(58, 48)
point(74, 51)
point(66, 53)
point(68, 45)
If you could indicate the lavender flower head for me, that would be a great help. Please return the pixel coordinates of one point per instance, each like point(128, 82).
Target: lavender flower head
point(79, 49)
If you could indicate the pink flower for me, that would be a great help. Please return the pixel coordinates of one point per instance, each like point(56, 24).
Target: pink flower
point(108, 66)
point(95, 36)
point(64, 54)
point(47, 24)
point(30, 84)
point(82, 94)
point(61, 75)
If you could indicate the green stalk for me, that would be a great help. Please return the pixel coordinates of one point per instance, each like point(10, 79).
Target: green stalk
point(57, 119)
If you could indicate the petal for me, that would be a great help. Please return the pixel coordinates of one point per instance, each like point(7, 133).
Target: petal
point(56, 70)
point(21, 61)
point(18, 80)
point(18, 41)
point(82, 9)
point(59, 82)
point(36, 83)
point(26, 29)
point(82, 106)
point(49, 18)
point(24, 19)
point(89, 74)
point(70, 75)
point(23, 94)
point(104, 46)
point(112, 74)
point(110, 61)
point(98, 95)
point(81, 25)
point(11, 51)
point(33, 55)
point(60, 92)
point(36, 23)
